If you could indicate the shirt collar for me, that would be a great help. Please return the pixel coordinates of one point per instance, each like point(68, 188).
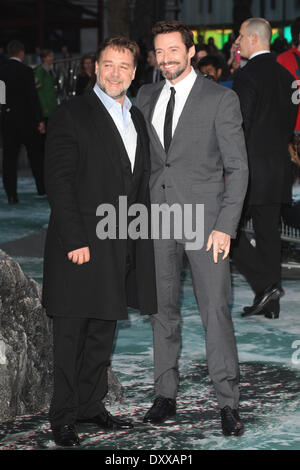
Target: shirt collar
point(185, 83)
point(258, 53)
point(110, 102)
point(16, 58)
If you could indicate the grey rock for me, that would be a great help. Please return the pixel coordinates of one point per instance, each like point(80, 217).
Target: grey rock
point(26, 361)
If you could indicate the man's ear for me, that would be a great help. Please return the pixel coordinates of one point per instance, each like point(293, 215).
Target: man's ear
point(96, 67)
point(219, 73)
point(254, 38)
point(192, 51)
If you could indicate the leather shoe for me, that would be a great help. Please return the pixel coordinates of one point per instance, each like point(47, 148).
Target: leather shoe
point(272, 310)
point(273, 292)
point(231, 422)
point(65, 435)
point(162, 409)
point(106, 421)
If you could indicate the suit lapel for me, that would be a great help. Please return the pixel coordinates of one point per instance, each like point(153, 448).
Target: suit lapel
point(189, 104)
point(140, 150)
point(153, 100)
point(193, 96)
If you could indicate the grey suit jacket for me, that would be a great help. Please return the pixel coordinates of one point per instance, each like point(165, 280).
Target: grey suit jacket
point(207, 160)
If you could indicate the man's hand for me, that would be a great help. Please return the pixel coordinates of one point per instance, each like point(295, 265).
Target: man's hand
point(220, 242)
point(80, 256)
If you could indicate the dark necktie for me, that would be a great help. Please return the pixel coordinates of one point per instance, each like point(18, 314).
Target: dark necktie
point(169, 120)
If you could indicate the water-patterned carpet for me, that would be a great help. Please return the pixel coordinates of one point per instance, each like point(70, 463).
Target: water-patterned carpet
point(269, 354)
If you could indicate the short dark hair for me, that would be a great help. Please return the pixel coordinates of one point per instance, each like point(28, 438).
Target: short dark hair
point(120, 43)
point(295, 30)
point(210, 60)
point(173, 26)
point(14, 48)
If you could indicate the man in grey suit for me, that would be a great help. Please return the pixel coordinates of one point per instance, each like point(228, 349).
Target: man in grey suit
point(198, 156)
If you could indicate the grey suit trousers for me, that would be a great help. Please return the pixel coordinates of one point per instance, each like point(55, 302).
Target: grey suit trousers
point(211, 284)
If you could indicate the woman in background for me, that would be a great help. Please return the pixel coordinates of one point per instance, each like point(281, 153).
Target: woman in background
point(86, 74)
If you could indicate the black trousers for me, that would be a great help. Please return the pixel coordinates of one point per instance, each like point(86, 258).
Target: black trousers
point(13, 138)
point(261, 265)
point(82, 351)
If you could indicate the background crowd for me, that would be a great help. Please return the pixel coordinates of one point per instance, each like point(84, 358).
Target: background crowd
point(220, 65)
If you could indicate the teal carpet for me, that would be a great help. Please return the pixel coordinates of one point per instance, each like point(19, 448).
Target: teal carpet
point(269, 354)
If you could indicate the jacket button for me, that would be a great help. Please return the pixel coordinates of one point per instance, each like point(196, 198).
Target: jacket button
point(168, 165)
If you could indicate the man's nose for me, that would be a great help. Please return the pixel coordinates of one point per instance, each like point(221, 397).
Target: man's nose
point(115, 72)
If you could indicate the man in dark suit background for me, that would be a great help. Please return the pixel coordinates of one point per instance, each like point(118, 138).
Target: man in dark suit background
point(151, 73)
point(97, 150)
point(265, 91)
point(21, 121)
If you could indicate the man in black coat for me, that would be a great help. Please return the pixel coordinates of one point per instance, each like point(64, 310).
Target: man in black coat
point(96, 151)
point(21, 121)
point(265, 91)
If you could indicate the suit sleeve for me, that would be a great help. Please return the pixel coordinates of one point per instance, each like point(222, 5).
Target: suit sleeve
point(232, 146)
point(61, 167)
point(33, 98)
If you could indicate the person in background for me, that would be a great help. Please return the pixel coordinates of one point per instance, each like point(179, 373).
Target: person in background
point(38, 59)
point(65, 52)
point(268, 126)
point(201, 51)
point(151, 73)
point(211, 66)
point(211, 47)
point(280, 44)
point(291, 61)
point(45, 83)
point(22, 121)
point(227, 46)
point(86, 74)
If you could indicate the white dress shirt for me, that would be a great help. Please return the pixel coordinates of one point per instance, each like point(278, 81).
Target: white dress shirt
point(183, 89)
point(258, 53)
point(122, 119)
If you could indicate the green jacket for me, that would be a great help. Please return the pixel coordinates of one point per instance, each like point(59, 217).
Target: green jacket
point(46, 90)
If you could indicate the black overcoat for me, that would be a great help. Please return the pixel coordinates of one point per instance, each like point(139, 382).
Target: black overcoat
point(265, 91)
point(22, 110)
point(83, 170)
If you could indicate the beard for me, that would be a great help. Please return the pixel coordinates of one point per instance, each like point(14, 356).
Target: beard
point(175, 73)
point(115, 95)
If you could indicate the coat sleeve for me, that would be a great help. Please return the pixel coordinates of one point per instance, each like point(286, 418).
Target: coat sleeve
point(61, 172)
point(247, 93)
point(231, 142)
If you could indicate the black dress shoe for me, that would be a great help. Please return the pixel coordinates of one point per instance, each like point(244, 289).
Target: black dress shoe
point(12, 199)
point(106, 421)
point(272, 310)
point(65, 435)
point(231, 422)
point(273, 292)
point(162, 409)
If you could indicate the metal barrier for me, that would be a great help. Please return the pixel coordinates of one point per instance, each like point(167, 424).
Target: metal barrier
point(66, 71)
point(289, 234)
